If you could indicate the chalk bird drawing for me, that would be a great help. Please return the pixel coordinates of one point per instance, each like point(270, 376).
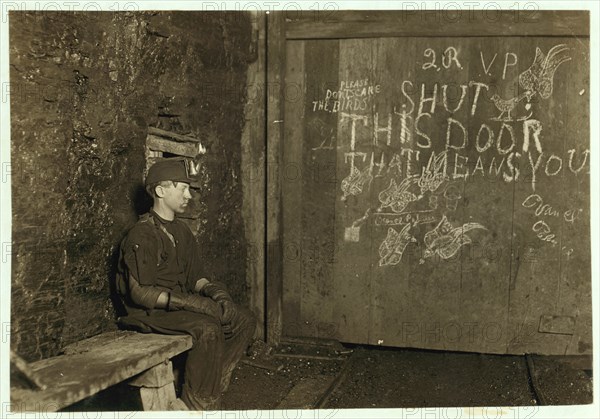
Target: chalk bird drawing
point(392, 248)
point(537, 79)
point(397, 197)
point(506, 106)
point(445, 239)
point(354, 183)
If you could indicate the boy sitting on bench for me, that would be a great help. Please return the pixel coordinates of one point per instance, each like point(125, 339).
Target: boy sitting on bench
point(160, 280)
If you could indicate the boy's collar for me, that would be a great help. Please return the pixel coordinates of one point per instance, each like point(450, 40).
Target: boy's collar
point(159, 218)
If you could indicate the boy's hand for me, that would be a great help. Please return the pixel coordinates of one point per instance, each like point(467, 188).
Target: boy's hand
point(229, 311)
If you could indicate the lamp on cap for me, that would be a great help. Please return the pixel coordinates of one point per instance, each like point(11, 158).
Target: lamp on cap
point(176, 169)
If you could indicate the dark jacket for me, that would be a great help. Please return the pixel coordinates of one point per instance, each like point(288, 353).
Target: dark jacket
point(160, 254)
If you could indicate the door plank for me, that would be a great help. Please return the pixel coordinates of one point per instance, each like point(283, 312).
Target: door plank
point(318, 190)
point(293, 173)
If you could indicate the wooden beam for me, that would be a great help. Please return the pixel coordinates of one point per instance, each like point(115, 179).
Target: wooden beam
point(576, 362)
point(307, 393)
point(253, 174)
point(274, 257)
point(189, 149)
point(438, 23)
point(171, 135)
point(335, 384)
point(316, 357)
point(311, 341)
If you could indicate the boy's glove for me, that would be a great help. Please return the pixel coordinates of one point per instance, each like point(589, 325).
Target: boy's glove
point(229, 311)
point(217, 292)
point(195, 303)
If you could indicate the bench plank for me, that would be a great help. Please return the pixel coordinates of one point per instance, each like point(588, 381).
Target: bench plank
point(21, 372)
point(97, 365)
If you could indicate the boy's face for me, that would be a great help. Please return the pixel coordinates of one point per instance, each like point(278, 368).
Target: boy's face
point(176, 197)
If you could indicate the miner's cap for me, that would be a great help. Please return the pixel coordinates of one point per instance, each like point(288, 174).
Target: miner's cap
point(175, 169)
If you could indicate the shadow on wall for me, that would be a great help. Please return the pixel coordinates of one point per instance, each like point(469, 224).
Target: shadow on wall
point(142, 202)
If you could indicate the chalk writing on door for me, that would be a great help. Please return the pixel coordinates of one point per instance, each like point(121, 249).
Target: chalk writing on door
point(418, 149)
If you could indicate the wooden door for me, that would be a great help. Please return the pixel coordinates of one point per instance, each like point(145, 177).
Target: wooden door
point(435, 182)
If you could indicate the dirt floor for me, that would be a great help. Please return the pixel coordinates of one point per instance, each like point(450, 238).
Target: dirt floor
point(374, 377)
point(300, 375)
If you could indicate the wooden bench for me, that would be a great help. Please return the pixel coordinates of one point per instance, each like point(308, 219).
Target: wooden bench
point(97, 363)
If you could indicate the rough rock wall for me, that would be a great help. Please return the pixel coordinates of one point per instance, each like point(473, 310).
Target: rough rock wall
point(84, 89)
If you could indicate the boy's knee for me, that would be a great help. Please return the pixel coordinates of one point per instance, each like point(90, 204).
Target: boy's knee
point(212, 332)
point(207, 331)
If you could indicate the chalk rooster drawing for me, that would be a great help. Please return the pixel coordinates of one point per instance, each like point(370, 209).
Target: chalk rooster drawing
point(445, 239)
point(537, 79)
point(392, 248)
